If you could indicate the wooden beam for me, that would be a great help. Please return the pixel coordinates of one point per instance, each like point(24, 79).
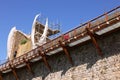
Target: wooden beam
point(14, 72)
point(66, 52)
point(28, 66)
point(94, 40)
point(44, 60)
point(1, 78)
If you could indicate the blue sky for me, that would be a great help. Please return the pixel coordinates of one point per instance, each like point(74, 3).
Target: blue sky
point(70, 13)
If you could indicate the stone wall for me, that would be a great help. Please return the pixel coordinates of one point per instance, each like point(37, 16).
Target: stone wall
point(88, 65)
point(17, 44)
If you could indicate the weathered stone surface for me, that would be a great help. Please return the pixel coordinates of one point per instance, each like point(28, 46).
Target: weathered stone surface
point(88, 65)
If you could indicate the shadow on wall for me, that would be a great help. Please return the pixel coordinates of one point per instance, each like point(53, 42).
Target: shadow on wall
point(81, 55)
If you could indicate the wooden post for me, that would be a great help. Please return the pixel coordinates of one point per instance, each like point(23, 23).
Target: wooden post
point(28, 66)
point(75, 33)
point(66, 52)
point(1, 78)
point(106, 18)
point(14, 72)
point(116, 14)
point(94, 40)
point(45, 60)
